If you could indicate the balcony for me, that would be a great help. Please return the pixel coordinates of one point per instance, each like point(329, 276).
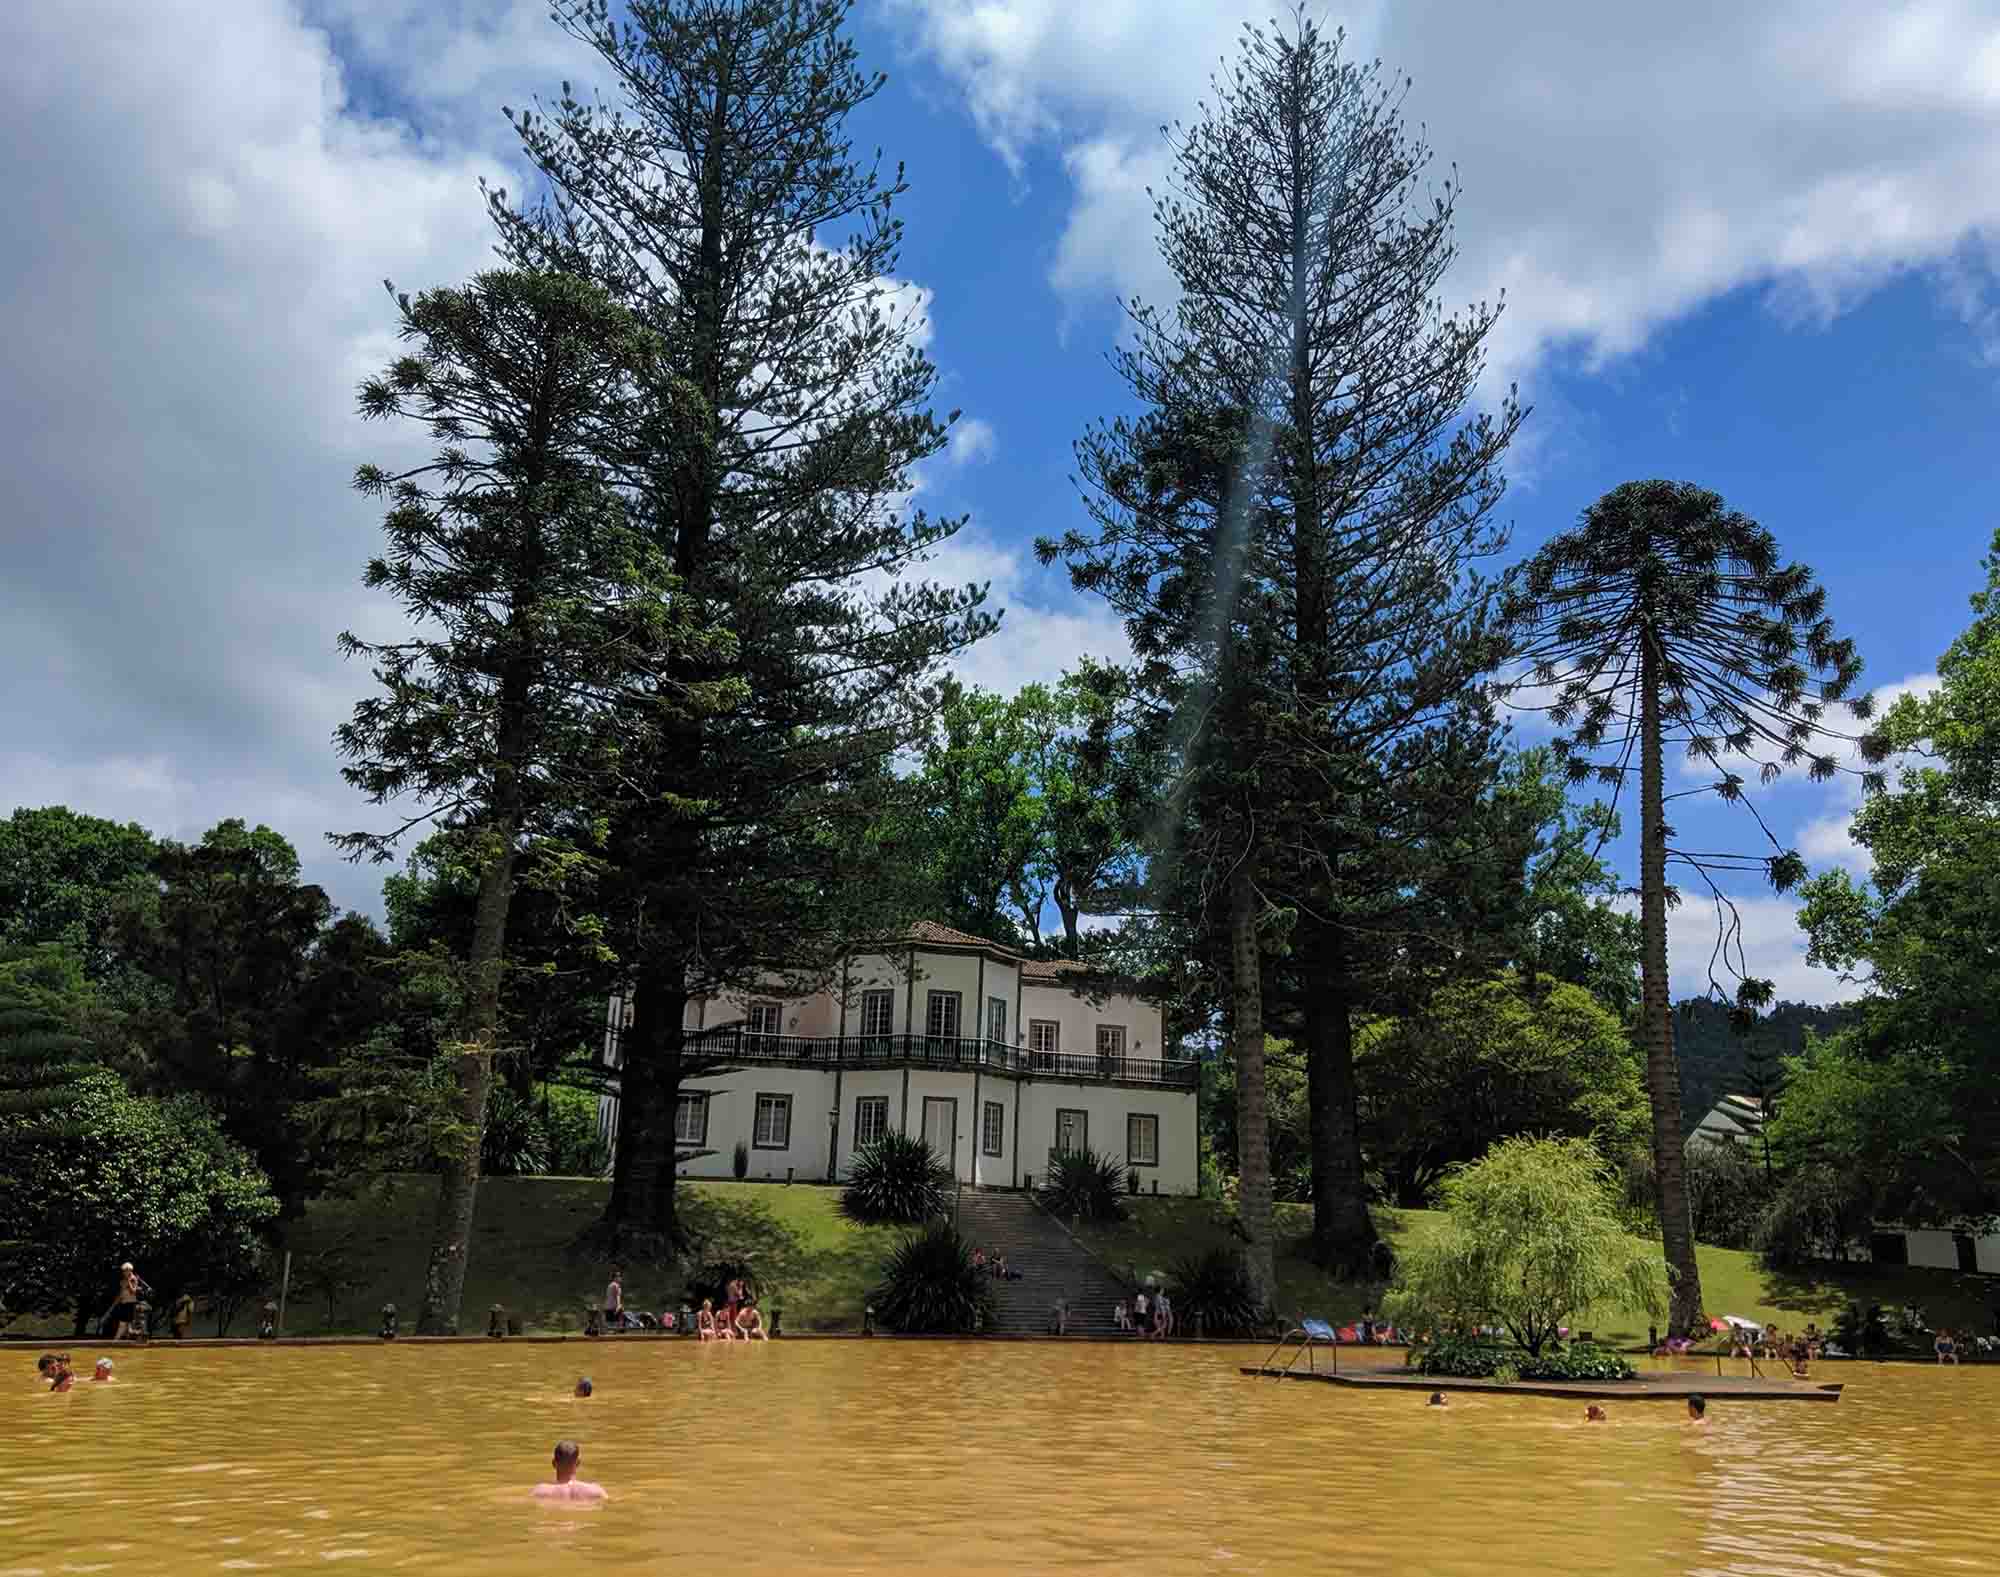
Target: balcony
point(734, 1043)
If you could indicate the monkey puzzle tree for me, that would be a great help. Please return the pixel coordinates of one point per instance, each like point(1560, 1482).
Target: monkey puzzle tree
point(1665, 618)
point(536, 605)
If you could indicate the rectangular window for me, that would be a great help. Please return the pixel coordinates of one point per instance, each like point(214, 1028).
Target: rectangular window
point(871, 1119)
point(691, 1119)
point(941, 1016)
point(993, 1128)
point(767, 1018)
point(996, 1019)
point(1142, 1139)
point(774, 1123)
point(1111, 1040)
point(1043, 1035)
point(1072, 1131)
point(878, 1012)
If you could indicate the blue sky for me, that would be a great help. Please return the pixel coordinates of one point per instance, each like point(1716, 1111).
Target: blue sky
point(1752, 251)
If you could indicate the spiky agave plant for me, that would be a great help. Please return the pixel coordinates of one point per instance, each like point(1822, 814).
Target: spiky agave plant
point(932, 1287)
point(897, 1178)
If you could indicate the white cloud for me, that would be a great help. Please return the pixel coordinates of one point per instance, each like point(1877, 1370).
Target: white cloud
point(1621, 165)
point(1773, 948)
point(1040, 635)
point(973, 442)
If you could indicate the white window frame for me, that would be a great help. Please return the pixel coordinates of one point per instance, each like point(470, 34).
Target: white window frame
point(886, 1002)
point(993, 1129)
point(765, 1008)
point(996, 1019)
point(1049, 1044)
point(696, 1100)
point(1142, 1122)
point(932, 1015)
point(1111, 1040)
point(878, 1104)
point(772, 1103)
point(1083, 1141)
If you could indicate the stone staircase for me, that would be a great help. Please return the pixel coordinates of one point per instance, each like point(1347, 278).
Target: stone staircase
point(1050, 1262)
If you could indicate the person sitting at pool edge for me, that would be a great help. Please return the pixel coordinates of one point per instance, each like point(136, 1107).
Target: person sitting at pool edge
point(567, 1485)
point(1697, 1409)
point(750, 1324)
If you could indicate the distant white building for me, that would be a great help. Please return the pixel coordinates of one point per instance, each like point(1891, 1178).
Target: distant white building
point(999, 1061)
point(1735, 1119)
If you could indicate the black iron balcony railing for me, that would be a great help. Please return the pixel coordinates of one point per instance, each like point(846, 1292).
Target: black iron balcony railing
point(735, 1043)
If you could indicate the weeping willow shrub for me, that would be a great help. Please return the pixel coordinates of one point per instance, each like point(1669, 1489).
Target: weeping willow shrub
point(1532, 1237)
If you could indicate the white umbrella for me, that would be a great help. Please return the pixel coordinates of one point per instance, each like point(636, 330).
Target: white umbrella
point(1742, 1324)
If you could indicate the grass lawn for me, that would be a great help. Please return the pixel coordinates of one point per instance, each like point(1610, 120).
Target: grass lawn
point(529, 1253)
point(1163, 1231)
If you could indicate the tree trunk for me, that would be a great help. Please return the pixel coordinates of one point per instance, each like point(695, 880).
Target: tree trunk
point(1663, 1074)
point(641, 1215)
point(458, 1195)
point(1253, 1117)
point(1344, 1239)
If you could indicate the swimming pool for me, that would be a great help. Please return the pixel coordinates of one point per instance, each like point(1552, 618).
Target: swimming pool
point(852, 1456)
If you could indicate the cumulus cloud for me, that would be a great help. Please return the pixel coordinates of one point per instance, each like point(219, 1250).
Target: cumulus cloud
point(1044, 630)
point(1621, 165)
point(1773, 948)
point(973, 442)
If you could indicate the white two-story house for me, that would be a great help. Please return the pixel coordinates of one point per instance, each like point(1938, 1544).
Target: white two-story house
point(997, 1060)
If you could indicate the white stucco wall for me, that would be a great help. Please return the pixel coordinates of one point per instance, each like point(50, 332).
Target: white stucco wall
point(1938, 1250)
point(1105, 1110)
point(732, 1106)
point(1077, 1019)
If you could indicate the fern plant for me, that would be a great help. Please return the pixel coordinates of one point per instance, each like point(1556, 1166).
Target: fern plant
point(1083, 1184)
point(1213, 1288)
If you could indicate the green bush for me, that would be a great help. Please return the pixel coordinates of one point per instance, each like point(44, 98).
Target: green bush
point(1464, 1358)
point(1214, 1288)
point(1459, 1357)
point(1082, 1183)
point(569, 1117)
point(932, 1287)
point(897, 1178)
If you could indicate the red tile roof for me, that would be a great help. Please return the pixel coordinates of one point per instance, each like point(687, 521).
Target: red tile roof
point(945, 936)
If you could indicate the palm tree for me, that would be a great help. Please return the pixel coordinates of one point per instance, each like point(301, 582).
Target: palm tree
point(1666, 617)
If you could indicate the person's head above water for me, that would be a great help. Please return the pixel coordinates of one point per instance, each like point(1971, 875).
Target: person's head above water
point(583, 1386)
point(1697, 1407)
point(1593, 1414)
point(568, 1454)
point(103, 1370)
point(1437, 1399)
point(45, 1363)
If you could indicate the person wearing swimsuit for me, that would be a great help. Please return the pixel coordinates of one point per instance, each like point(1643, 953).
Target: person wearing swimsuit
point(1947, 1349)
point(704, 1322)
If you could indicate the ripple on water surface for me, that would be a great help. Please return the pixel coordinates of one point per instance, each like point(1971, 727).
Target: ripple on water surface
point(835, 1457)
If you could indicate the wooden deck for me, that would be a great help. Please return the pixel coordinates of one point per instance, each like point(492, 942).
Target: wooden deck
point(1646, 1388)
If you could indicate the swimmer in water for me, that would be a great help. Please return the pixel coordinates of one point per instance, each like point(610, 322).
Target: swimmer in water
point(583, 1386)
point(1594, 1414)
point(567, 1485)
point(61, 1378)
point(1697, 1410)
point(102, 1376)
point(1437, 1400)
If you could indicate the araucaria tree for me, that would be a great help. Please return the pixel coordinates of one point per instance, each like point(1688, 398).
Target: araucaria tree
point(1290, 530)
point(1667, 619)
point(721, 204)
point(536, 603)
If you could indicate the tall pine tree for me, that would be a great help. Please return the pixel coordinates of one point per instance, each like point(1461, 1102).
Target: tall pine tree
point(721, 203)
point(1316, 396)
point(537, 605)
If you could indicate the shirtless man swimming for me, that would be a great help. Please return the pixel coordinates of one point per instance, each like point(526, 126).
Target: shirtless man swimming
point(567, 1485)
